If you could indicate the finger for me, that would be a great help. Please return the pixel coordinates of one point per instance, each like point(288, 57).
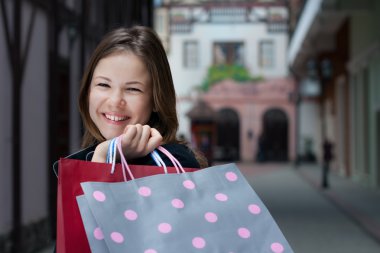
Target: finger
point(100, 153)
point(154, 132)
point(155, 140)
point(128, 136)
point(144, 138)
point(137, 137)
point(126, 128)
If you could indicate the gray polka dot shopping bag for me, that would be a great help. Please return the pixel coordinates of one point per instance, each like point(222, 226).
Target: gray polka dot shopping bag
point(210, 210)
point(71, 234)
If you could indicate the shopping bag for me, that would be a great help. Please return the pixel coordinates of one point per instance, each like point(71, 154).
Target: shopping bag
point(94, 233)
point(214, 210)
point(71, 236)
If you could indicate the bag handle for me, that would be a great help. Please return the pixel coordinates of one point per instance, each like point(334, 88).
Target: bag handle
point(111, 157)
point(172, 159)
point(126, 168)
point(111, 154)
point(157, 158)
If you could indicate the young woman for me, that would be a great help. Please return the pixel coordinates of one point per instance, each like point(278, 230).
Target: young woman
point(127, 89)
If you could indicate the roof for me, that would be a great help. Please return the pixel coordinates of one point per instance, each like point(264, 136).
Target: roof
point(201, 111)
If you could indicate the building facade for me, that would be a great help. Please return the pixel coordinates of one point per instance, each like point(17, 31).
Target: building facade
point(335, 44)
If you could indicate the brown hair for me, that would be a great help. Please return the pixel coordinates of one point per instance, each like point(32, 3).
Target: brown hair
point(144, 43)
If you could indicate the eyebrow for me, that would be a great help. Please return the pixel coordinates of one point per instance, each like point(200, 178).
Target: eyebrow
point(102, 77)
point(109, 80)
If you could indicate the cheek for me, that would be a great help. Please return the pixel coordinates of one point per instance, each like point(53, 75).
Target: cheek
point(92, 104)
point(144, 109)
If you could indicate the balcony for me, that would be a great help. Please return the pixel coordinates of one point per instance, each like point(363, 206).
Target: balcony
point(277, 27)
point(181, 27)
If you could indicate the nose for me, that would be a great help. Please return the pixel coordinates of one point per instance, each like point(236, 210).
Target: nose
point(117, 98)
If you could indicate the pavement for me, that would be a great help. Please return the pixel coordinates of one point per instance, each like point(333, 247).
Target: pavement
point(344, 218)
point(362, 204)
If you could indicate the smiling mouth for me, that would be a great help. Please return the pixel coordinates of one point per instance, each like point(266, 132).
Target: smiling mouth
point(115, 118)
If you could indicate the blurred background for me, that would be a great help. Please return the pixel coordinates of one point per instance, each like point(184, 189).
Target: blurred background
point(287, 89)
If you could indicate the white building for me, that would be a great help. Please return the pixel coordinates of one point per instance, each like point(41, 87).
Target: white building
point(199, 34)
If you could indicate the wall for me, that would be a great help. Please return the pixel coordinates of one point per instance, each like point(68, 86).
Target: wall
point(34, 126)
point(251, 101)
point(365, 77)
point(5, 135)
point(310, 126)
point(206, 34)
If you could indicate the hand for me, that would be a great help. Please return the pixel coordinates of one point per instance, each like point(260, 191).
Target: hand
point(138, 140)
point(100, 153)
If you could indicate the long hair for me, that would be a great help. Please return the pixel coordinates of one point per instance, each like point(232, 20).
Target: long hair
point(144, 43)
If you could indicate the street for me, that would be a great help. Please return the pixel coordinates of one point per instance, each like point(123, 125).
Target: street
point(311, 222)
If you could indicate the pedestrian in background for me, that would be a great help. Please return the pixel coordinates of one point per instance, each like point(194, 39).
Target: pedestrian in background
point(327, 158)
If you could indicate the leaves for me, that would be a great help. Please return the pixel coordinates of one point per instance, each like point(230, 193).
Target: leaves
point(217, 73)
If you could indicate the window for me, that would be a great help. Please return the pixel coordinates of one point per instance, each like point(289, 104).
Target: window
point(228, 53)
point(266, 54)
point(190, 52)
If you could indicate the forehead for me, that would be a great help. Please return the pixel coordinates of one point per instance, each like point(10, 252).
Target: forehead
point(121, 56)
point(122, 64)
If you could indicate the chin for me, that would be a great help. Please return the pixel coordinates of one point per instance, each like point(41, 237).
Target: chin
point(111, 136)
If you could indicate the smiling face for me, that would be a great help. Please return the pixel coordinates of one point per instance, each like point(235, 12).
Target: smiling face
point(120, 93)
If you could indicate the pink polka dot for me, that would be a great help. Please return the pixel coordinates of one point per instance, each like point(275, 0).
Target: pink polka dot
point(150, 251)
point(177, 203)
point(277, 247)
point(211, 217)
point(244, 233)
point(188, 184)
point(199, 242)
point(117, 237)
point(98, 234)
point(221, 197)
point(164, 228)
point(255, 209)
point(231, 176)
point(130, 215)
point(145, 191)
point(99, 196)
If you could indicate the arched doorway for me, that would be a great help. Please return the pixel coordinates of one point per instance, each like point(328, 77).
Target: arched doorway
point(273, 142)
point(228, 136)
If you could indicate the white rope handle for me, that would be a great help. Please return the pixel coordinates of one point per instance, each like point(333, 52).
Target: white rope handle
point(111, 155)
point(157, 158)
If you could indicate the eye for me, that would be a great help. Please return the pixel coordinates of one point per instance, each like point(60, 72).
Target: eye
point(103, 85)
point(133, 89)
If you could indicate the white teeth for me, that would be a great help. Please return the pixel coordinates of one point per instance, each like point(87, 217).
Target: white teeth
point(115, 118)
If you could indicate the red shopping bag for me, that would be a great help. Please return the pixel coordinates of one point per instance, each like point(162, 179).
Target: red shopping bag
point(71, 236)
